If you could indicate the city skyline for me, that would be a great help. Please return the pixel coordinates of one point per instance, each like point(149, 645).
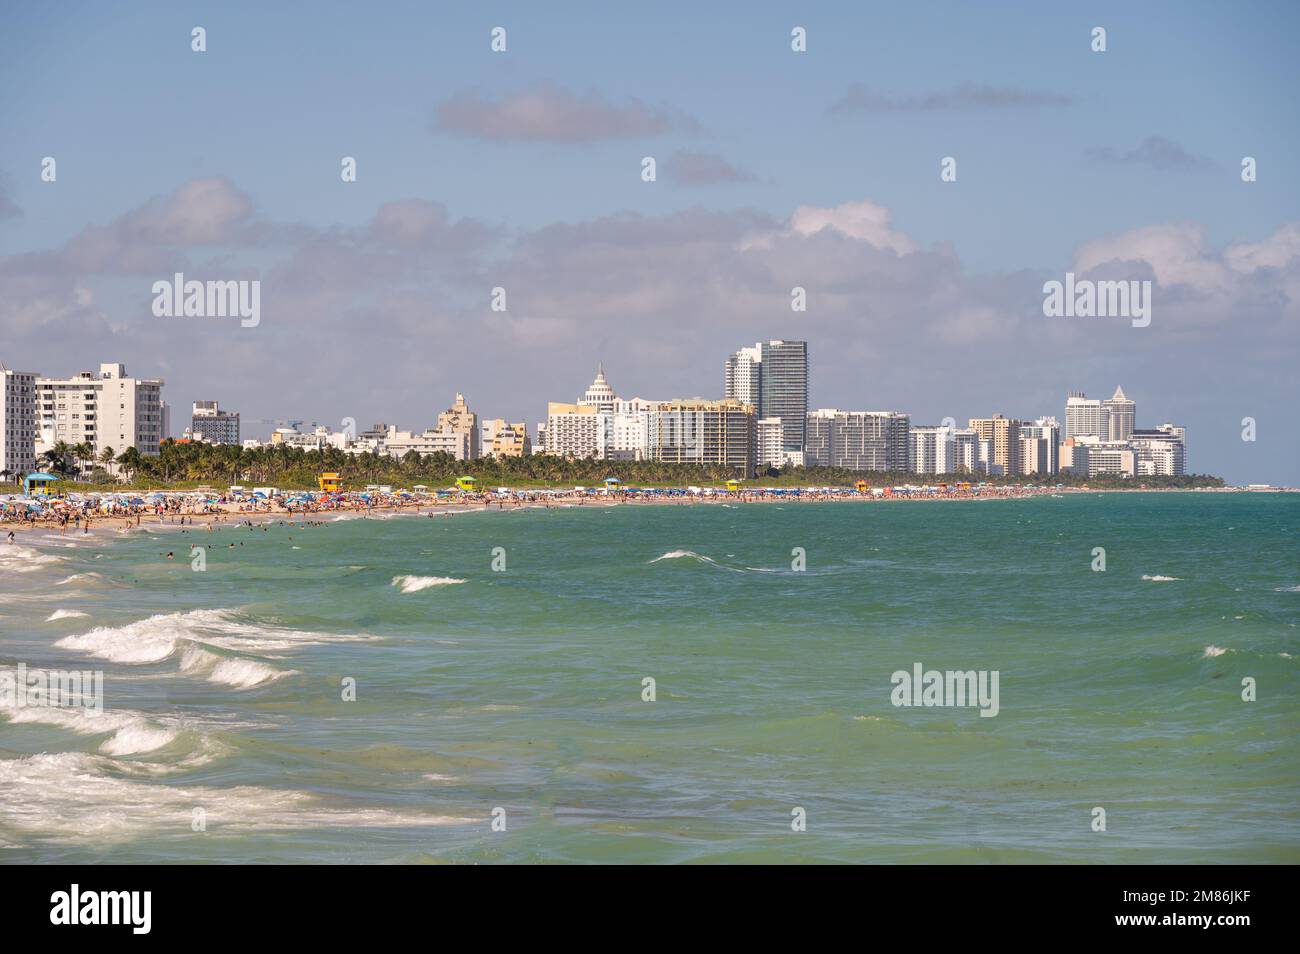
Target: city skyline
point(478, 171)
point(764, 401)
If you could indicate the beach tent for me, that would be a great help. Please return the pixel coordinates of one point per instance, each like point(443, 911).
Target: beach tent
point(37, 483)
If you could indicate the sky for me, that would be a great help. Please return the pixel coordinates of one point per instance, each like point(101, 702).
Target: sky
point(522, 170)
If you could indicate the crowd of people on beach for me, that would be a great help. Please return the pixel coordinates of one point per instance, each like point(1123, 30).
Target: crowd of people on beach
point(125, 511)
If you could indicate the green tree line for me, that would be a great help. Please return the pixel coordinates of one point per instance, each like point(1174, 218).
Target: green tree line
point(220, 465)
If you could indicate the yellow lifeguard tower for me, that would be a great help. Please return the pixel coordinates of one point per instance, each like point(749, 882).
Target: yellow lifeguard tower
point(466, 484)
point(862, 486)
point(330, 483)
point(733, 485)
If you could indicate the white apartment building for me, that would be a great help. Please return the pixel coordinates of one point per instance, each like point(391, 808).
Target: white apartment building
point(629, 432)
point(742, 376)
point(107, 409)
point(969, 452)
point(17, 422)
point(857, 440)
point(934, 450)
point(770, 442)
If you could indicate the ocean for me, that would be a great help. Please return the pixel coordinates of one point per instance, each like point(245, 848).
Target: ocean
point(497, 666)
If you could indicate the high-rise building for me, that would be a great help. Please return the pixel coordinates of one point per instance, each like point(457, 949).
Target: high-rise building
point(696, 431)
point(1121, 414)
point(783, 388)
point(209, 423)
point(741, 378)
point(858, 440)
point(770, 443)
point(1086, 417)
point(17, 423)
point(773, 377)
point(1003, 435)
point(107, 409)
point(934, 450)
point(966, 450)
point(459, 419)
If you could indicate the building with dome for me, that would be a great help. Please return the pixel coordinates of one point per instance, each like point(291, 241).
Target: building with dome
point(600, 395)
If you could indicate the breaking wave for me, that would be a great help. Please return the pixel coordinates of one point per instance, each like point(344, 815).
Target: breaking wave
point(413, 584)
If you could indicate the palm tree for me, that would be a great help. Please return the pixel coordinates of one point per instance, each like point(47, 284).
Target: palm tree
point(84, 452)
point(57, 457)
point(130, 460)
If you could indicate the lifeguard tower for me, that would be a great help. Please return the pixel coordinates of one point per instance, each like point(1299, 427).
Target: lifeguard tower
point(466, 485)
point(330, 483)
point(37, 484)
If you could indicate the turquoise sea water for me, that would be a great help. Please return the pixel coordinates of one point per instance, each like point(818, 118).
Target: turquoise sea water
point(522, 690)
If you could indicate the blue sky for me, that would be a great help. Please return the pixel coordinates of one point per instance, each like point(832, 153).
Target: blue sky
point(1093, 146)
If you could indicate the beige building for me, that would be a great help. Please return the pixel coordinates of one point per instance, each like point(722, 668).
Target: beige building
point(696, 431)
point(459, 419)
point(432, 441)
point(1003, 435)
point(504, 439)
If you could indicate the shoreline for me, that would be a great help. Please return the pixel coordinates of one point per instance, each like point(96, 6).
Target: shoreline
point(235, 514)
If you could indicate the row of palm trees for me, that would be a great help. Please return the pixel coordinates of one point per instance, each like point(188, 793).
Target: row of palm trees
point(282, 465)
point(62, 455)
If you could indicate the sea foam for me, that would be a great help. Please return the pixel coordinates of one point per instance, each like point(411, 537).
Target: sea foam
point(413, 584)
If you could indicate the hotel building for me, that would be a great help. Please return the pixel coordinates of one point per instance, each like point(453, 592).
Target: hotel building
point(576, 430)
